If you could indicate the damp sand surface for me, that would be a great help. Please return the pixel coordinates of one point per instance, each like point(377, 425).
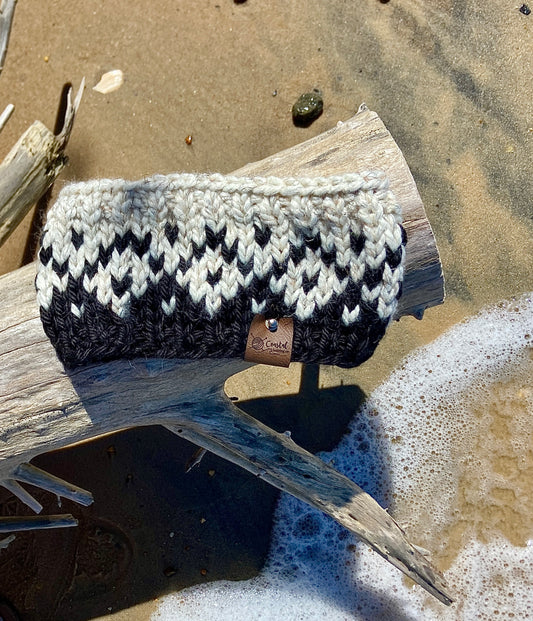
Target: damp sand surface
point(453, 82)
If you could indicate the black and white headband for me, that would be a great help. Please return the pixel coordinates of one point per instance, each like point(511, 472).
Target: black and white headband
point(178, 266)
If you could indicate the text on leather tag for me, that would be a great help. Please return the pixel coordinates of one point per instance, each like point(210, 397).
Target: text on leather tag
point(270, 341)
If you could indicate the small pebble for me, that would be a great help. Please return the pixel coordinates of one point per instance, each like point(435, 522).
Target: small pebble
point(524, 9)
point(203, 572)
point(188, 139)
point(308, 108)
point(170, 571)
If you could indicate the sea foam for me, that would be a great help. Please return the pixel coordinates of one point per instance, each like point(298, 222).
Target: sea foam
point(446, 443)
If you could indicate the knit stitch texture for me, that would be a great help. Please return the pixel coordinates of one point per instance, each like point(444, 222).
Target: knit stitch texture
point(177, 266)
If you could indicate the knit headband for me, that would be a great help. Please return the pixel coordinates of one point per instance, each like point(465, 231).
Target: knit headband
point(177, 266)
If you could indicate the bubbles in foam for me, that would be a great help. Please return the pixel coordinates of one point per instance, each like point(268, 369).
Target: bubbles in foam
point(446, 443)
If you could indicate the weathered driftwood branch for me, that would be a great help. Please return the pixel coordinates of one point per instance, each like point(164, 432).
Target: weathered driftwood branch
point(44, 408)
point(31, 167)
point(36, 522)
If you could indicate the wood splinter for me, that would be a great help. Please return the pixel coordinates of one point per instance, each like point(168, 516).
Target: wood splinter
point(43, 408)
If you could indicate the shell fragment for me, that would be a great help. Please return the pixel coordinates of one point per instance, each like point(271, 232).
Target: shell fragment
point(110, 81)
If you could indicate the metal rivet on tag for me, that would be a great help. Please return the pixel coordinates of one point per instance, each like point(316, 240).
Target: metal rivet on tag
point(269, 341)
point(271, 324)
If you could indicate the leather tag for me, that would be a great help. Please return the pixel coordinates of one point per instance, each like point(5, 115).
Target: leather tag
point(269, 346)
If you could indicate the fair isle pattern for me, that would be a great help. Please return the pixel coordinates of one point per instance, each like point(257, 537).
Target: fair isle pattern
point(177, 265)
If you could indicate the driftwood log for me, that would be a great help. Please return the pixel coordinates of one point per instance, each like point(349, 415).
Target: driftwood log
point(42, 407)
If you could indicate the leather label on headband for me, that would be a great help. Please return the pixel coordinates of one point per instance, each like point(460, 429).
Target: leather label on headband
point(270, 341)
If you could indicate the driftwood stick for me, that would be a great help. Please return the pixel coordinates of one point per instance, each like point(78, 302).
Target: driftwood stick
point(7, 12)
point(12, 524)
point(41, 206)
point(23, 495)
point(42, 407)
point(4, 543)
point(31, 167)
point(6, 115)
point(228, 432)
point(26, 473)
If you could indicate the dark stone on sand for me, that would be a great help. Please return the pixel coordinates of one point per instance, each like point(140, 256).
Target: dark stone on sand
point(308, 108)
point(525, 9)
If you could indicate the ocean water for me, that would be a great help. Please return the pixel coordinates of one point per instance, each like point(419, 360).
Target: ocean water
point(446, 443)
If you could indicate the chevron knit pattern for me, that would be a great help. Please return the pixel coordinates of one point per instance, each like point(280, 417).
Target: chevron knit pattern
point(178, 265)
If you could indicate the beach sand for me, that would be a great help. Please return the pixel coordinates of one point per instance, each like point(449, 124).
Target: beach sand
point(453, 83)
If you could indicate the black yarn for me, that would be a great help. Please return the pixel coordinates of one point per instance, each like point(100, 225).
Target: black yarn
point(100, 335)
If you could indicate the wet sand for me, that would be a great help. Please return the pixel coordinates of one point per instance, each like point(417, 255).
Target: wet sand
point(453, 82)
